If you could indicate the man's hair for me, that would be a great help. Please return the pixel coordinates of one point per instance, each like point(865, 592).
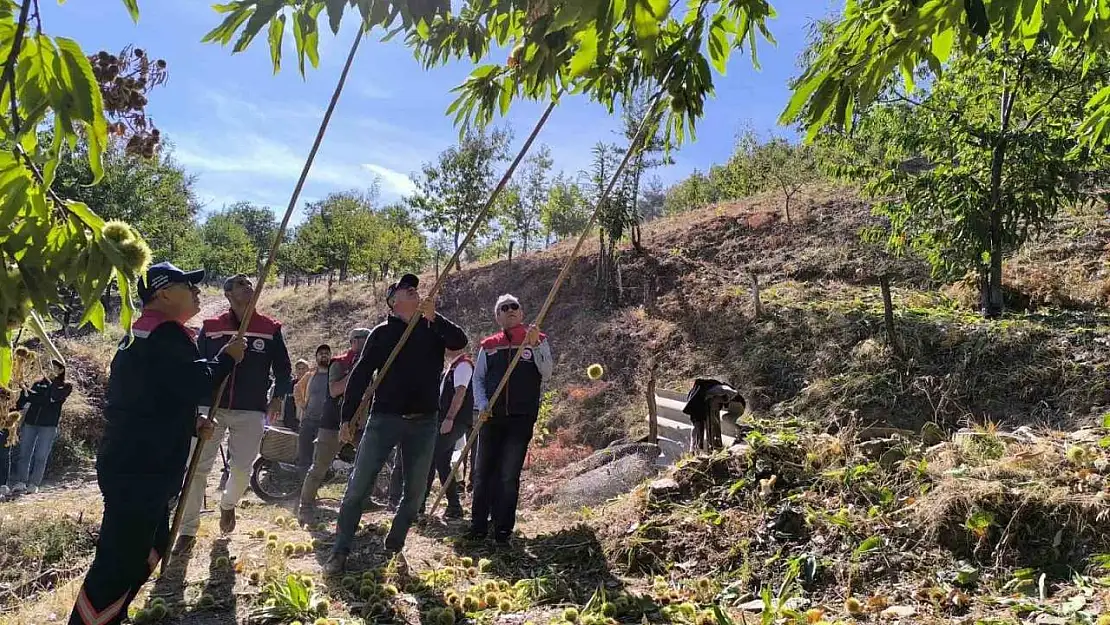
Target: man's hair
point(504, 299)
point(323, 346)
point(301, 361)
point(231, 281)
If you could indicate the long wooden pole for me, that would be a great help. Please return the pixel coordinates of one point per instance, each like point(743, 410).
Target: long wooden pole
point(194, 459)
point(633, 147)
point(441, 278)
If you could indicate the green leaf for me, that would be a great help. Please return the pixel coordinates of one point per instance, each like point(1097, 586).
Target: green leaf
point(1106, 420)
point(869, 544)
point(335, 14)
point(85, 214)
point(644, 22)
point(237, 14)
point(132, 8)
point(127, 305)
point(263, 14)
point(87, 101)
point(6, 359)
point(586, 56)
point(277, 31)
point(94, 314)
point(719, 48)
point(942, 44)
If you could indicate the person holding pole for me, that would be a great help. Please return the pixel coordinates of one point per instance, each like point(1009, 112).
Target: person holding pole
point(244, 406)
point(456, 403)
point(506, 426)
point(402, 413)
point(157, 380)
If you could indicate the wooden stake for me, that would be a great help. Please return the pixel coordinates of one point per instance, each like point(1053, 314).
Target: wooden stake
point(757, 305)
point(888, 314)
point(653, 409)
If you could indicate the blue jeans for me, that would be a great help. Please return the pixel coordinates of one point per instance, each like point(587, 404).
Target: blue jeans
point(416, 438)
point(35, 443)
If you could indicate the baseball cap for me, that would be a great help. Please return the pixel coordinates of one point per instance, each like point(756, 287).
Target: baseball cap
point(163, 275)
point(359, 333)
point(407, 281)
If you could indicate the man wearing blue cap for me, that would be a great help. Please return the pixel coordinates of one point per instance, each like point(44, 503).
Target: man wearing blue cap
point(156, 382)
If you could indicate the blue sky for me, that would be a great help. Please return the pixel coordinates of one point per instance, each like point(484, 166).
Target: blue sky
point(244, 132)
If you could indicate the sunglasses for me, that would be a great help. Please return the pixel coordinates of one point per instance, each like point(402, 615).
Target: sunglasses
point(510, 306)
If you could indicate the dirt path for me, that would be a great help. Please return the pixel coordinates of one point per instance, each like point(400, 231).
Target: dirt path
point(222, 580)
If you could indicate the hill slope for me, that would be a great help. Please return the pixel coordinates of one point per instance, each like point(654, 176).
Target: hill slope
point(818, 352)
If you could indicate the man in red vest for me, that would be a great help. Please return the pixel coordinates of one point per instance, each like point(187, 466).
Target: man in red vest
point(504, 437)
point(456, 408)
point(245, 407)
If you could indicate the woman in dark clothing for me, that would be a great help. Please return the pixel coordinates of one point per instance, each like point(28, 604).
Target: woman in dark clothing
point(40, 428)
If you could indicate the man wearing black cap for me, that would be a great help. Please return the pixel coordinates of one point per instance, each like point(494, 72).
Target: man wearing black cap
point(403, 412)
point(157, 380)
point(246, 404)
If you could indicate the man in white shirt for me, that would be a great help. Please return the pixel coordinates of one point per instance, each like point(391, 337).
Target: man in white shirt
point(456, 408)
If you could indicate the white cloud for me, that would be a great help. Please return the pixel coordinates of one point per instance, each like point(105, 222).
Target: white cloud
point(393, 182)
point(252, 154)
point(370, 91)
point(235, 109)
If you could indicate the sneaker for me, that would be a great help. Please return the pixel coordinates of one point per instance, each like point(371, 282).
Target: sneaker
point(453, 513)
point(184, 545)
point(227, 520)
point(335, 564)
point(32, 489)
point(4, 490)
point(503, 540)
point(19, 487)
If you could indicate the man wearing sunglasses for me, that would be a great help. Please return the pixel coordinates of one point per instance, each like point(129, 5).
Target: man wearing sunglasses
point(503, 439)
point(245, 406)
point(402, 413)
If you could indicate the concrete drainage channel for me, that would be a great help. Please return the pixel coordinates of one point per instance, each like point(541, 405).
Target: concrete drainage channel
point(675, 428)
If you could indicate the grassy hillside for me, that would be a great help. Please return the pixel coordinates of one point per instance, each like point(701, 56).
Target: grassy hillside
point(818, 352)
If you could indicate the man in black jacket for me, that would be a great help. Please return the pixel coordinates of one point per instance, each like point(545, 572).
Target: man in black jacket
point(40, 428)
point(156, 381)
point(403, 412)
point(456, 406)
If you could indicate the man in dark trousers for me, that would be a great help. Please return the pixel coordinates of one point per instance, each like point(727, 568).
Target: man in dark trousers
point(40, 428)
point(456, 406)
point(503, 439)
point(245, 406)
point(157, 380)
point(402, 412)
point(326, 445)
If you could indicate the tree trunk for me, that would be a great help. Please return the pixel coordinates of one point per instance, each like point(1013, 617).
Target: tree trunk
point(458, 259)
point(510, 254)
point(787, 196)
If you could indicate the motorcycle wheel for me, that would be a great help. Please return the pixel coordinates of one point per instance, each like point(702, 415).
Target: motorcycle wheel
point(275, 482)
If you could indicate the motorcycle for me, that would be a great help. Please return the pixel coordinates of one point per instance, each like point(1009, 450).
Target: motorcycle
point(275, 477)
